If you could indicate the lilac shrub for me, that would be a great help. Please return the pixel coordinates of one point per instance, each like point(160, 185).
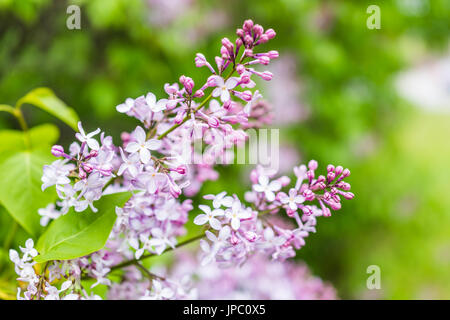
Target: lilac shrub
point(153, 166)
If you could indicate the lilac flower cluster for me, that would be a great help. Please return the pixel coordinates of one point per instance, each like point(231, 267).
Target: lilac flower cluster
point(152, 163)
point(238, 231)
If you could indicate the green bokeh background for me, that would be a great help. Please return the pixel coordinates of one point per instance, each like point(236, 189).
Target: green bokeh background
point(400, 218)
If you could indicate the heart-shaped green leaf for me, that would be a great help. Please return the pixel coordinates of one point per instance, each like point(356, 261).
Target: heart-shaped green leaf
point(45, 99)
point(77, 234)
point(20, 187)
point(41, 136)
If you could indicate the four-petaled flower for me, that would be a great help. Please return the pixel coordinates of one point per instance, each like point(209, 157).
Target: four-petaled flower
point(217, 242)
point(236, 213)
point(87, 138)
point(155, 106)
point(220, 200)
point(209, 216)
point(267, 188)
point(223, 87)
point(130, 163)
point(142, 145)
point(293, 199)
point(29, 250)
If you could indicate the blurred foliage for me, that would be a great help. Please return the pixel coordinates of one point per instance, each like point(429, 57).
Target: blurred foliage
point(399, 219)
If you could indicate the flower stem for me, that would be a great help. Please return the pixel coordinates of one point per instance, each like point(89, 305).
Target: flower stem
point(145, 256)
point(201, 105)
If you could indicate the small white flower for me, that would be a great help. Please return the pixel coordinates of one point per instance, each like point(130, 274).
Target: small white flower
point(130, 163)
point(293, 199)
point(125, 107)
point(236, 213)
point(267, 188)
point(223, 87)
point(87, 138)
point(209, 216)
point(220, 200)
point(29, 250)
point(217, 242)
point(150, 98)
point(142, 145)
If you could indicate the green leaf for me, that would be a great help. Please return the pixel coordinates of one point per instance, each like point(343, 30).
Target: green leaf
point(45, 99)
point(20, 187)
point(42, 136)
point(77, 234)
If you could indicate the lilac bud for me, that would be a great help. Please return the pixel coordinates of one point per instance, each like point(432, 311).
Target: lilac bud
point(330, 176)
point(245, 79)
point(88, 167)
point(330, 168)
point(246, 95)
point(321, 178)
point(270, 33)
point(211, 82)
point(240, 68)
point(200, 60)
point(234, 240)
point(273, 54)
point(248, 25)
point(224, 51)
point(181, 169)
point(264, 60)
point(266, 75)
point(309, 195)
point(312, 165)
point(81, 174)
point(348, 195)
point(339, 170)
point(248, 52)
point(254, 177)
point(343, 185)
point(263, 39)
point(188, 83)
point(306, 210)
point(213, 122)
point(179, 117)
point(248, 40)
point(258, 30)
point(333, 205)
point(227, 44)
point(345, 173)
point(58, 151)
point(199, 93)
point(284, 180)
point(310, 175)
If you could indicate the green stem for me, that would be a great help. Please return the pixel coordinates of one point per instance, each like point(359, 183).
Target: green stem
point(201, 105)
point(150, 275)
point(19, 115)
point(6, 108)
point(145, 256)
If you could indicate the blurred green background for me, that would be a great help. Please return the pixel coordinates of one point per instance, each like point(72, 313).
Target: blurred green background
point(338, 78)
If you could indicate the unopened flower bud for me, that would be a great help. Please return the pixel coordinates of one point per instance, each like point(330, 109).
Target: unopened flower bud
point(88, 167)
point(248, 25)
point(312, 165)
point(270, 33)
point(81, 174)
point(266, 75)
point(58, 151)
point(258, 30)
